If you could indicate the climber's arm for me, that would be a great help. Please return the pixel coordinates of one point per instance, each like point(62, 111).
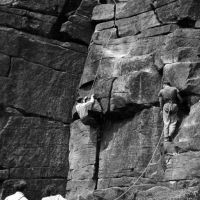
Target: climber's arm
point(91, 101)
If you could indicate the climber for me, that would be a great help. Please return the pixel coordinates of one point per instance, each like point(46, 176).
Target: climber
point(168, 98)
point(83, 106)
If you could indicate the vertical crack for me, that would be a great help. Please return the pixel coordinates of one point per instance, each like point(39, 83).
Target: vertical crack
point(98, 148)
point(155, 12)
point(115, 19)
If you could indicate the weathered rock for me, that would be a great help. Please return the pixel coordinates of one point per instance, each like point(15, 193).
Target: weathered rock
point(184, 75)
point(54, 7)
point(79, 25)
point(42, 91)
point(33, 148)
point(82, 159)
point(102, 91)
point(105, 12)
point(197, 24)
point(188, 136)
point(134, 7)
point(180, 54)
point(179, 10)
point(132, 25)
point(159, 30)
point(4, 174)
point(4, 64)
point(28, 21)
point(41, 51)
point(160, 193)
point(136, 88)
point(183, 166)
point(112, 54)
point(126, 148)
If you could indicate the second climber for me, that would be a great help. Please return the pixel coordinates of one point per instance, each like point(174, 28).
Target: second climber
point(169, 97)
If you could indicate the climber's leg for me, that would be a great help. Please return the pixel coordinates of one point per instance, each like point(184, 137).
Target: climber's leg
point(166, 120)
point(173, 122)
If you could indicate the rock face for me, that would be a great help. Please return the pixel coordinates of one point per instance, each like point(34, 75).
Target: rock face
point(133, 46)
point(38, 81)
point(136, 45)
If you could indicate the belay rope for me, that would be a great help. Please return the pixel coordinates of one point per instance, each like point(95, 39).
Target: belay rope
point(143, 170)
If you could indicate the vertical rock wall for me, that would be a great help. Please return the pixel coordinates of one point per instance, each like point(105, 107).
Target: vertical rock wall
point(136, 45)
point(40, 69)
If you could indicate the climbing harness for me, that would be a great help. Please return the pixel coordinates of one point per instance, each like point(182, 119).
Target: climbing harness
point(144, 169)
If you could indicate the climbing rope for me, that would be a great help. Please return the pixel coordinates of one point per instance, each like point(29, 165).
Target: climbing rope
point(144, 169)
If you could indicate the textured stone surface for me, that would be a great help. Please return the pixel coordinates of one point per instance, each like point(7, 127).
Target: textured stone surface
point(27, 21)
point(52, 7)
point(34, 148)
point(150, 41)
point(132, 25)
point(54, 55)
point(41, 91)
point(135, 88)
point(188, 137)
point(79, 26)
point(185, 76)
point(82, 158)
point(160, 193)
point(4, 64)
point(34, 134)
point(183, 166)
point(127, 147)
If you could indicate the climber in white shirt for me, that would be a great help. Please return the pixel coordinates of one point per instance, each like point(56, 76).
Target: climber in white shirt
point(82, 108)
point(19, 187)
